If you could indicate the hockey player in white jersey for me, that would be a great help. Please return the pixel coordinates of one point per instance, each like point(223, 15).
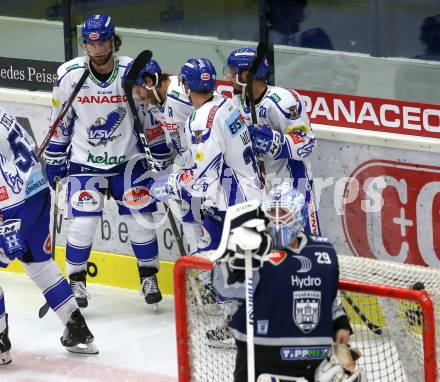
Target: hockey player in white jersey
point(225, 171)
point(24, 235)
point(97, 147)
point(165, 92)
point(283, 136)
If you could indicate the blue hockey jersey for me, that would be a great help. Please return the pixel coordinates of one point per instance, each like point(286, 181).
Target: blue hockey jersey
point(296, 304)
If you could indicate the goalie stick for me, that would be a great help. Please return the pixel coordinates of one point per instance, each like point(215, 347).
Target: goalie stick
point(370, 325)
point(63, 112)
point(138, 64)
point(258, 59)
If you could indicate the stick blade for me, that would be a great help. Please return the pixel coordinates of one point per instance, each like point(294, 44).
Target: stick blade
point(139, 62)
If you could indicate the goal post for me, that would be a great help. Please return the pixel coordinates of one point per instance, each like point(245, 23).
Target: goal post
point(393, 309)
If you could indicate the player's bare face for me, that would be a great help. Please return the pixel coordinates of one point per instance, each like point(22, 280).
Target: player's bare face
point(99, 52)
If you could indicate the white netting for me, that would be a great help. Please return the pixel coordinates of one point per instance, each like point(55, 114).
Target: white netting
point(388, 331)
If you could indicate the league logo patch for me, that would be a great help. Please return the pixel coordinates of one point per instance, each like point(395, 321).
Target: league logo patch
point(86, 200)
point(3, 194)
point(306, 309)
point(47, 246)
point(137, 198)
point(102, 131)
point(277, 257)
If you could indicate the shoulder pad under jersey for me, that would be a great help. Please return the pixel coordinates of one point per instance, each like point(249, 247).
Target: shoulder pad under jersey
point(77, 63)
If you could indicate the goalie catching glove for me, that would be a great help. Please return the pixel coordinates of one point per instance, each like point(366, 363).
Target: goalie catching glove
point(341, 366)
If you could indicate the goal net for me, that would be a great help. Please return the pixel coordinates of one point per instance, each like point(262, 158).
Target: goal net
point(394, 310)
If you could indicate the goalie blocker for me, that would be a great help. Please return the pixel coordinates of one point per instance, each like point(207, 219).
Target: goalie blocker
point(297, 313)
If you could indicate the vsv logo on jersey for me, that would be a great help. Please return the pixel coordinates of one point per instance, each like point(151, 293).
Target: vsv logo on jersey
point(11, 175)
point(102, 132)
point(306, 309)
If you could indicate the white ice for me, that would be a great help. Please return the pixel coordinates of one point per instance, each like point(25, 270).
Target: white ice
point(135, 343)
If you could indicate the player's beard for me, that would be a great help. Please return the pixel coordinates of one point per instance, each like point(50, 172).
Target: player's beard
point(101, 60)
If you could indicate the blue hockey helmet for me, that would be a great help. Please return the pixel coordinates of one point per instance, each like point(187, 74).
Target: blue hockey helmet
point(286, 209)
point(151, 69)
point(98, 28)
point(199, 75)
point(241, 59)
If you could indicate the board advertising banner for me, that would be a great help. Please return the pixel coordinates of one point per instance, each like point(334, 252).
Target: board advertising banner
point(373, 201)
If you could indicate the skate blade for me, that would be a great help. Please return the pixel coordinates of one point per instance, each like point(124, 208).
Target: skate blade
point(83, 349)
point(155, 307)
point(5, 358)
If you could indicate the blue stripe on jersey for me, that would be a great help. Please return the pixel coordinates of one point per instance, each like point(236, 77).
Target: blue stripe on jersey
point(287, 115)
point(178, 99)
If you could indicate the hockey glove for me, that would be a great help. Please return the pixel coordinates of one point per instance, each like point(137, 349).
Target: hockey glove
point(265, 140)
point(12, 245)
point(169, 186)
point(56, 165)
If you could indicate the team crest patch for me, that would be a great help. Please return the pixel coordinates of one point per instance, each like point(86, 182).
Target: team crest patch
point(198, 135)
point(277, 257)
point(306, 309)
point(294, 114)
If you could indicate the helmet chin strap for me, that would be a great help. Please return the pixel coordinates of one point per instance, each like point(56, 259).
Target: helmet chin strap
point(153, 88)
point(243, 86)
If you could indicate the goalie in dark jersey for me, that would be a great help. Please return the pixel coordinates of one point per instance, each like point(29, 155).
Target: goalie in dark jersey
point(300, 326)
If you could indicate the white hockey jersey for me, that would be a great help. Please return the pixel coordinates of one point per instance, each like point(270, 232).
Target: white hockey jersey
point(225, 170)
point(99, 127)
point(282, 110)
point(21, 173)
point(174, 112)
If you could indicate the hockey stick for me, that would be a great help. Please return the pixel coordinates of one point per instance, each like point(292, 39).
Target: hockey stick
point(45, 308)
point(258, 59)
point(138, 64)
point(249, 315)
point(63, 112)
point(370, 325)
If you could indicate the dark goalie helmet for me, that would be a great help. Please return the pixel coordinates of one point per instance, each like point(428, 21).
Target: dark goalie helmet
point(286, 210)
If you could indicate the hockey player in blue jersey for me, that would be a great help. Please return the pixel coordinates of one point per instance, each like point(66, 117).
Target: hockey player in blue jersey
point(298, 316)
point(98, 148)
point(24, 235)
point(284, 136)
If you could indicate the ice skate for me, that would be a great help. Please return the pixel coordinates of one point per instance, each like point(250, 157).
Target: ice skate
point(79, 290)
point(149, 287)
point(77, 337)
point(5, 346)
point(221, 336)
